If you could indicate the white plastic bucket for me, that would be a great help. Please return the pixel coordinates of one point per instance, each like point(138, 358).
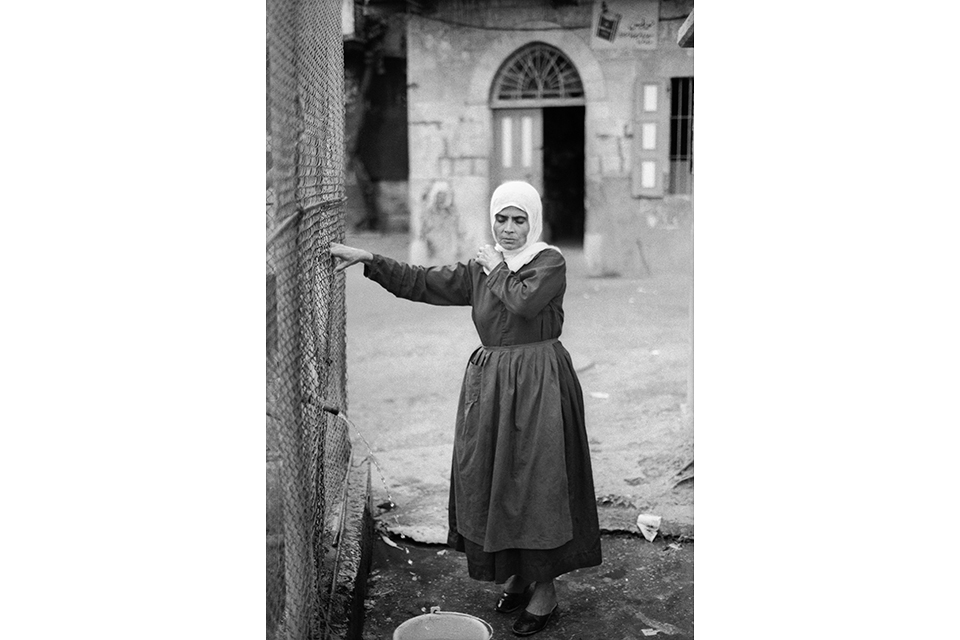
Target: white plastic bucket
point(444, 625)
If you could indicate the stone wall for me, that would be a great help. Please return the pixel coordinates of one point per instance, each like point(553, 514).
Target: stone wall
point(450, 70)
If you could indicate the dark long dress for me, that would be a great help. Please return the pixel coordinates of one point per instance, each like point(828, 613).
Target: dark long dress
point(521, 486)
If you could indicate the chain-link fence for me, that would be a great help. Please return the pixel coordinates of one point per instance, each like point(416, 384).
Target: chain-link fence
point(308, 447)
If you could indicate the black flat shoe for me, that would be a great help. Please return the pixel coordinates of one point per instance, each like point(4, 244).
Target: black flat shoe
point(510, 602)
point(528, 623)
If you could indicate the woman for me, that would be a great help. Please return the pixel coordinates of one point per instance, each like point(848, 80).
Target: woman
point(522, 504)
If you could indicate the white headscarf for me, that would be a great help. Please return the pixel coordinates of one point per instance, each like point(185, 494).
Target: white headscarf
point(523, 196)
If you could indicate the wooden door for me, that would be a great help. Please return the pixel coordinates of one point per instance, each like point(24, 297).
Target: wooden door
point(517, 147)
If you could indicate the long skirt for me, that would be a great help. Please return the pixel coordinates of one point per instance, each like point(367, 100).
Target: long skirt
point(521, 485)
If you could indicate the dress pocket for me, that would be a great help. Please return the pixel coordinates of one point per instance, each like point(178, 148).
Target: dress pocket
point(471, 383)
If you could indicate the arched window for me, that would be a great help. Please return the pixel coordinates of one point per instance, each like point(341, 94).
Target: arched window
point(537, 75)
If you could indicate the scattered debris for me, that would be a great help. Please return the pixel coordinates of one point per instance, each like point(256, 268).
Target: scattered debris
point(648, 524)
point(390, 542)
point(442, 552)
point(675, 546)
point(686, 475)
point(635, 481)
point(586, 367)
point(651, 632)
point(611, 500)
point(387, 506)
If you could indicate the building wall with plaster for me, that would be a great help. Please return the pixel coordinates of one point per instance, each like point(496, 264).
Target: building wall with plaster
point(450, 70)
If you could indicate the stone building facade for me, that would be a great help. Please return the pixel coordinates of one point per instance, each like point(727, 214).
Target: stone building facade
point(590, 101)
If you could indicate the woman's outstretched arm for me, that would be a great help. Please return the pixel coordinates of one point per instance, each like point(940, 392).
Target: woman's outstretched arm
point(434, 285)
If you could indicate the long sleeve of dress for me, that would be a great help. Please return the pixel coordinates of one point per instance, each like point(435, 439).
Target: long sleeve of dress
point(449, 285)
point(542, 280)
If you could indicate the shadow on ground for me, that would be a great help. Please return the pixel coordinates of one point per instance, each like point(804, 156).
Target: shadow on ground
point(642, 589)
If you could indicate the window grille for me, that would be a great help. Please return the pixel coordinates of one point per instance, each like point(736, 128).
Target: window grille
point(681, 135)
point(537, 74)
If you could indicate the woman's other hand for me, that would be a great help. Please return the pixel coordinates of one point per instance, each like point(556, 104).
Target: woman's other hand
point(489, 257)
point(348, 256)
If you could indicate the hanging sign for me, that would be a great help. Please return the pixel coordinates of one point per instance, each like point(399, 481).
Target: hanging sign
point(625, 25)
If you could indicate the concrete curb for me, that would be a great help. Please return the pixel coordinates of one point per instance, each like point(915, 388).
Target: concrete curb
point(353, 556)
point(621, 520)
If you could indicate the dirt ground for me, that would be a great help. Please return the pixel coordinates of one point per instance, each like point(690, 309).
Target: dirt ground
point(629, 340)
point(642, 589)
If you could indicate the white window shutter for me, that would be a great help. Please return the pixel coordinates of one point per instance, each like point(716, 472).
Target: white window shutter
point(650, 170)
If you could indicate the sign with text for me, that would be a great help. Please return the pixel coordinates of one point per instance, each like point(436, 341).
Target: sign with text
point(625, 25)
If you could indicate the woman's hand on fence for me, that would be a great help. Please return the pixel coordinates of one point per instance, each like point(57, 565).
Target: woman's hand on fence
point(348, 256)
point(489, 257)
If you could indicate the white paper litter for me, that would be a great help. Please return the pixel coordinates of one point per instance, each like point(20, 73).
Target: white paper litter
point(648, 524)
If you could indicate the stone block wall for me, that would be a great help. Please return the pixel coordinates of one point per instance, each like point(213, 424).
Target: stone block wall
point(450, 70)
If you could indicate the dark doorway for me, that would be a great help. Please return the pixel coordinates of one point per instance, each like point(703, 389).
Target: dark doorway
point(563, 170)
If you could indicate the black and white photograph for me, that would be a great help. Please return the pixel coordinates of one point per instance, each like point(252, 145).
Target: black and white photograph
point(485, 427)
